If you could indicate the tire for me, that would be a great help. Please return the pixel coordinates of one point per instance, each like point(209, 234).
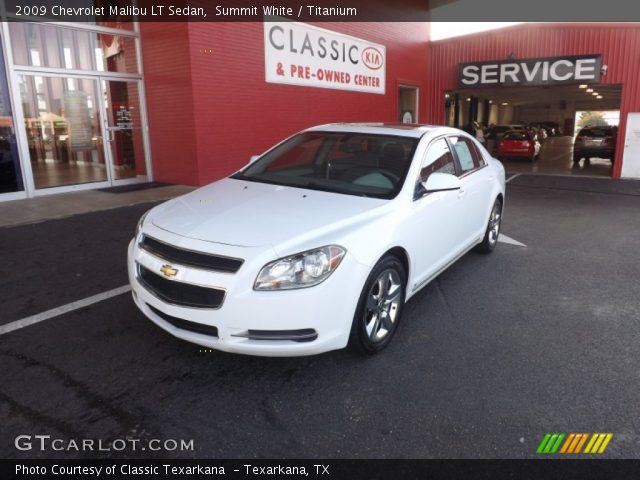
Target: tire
point(492, 232)
point(377, 317)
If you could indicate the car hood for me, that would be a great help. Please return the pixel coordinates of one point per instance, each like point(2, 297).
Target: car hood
point(252, 214)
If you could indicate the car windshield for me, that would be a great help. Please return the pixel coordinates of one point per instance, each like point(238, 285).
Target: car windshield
point(350, 163)
point(595, 132)
point(516, 136)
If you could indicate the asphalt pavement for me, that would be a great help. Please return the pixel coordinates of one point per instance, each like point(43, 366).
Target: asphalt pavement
point(496, 352)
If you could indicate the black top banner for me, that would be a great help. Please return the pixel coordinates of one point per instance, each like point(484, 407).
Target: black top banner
point(109, 11)
point(113, 11)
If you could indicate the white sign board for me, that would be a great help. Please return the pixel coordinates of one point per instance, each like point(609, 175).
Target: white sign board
point(300, 54)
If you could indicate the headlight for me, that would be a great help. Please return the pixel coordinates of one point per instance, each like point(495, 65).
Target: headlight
point(301, 270)
point(140, 224)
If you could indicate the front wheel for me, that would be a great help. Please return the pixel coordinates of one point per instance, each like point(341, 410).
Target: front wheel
point(493, 229)
point(380, 307)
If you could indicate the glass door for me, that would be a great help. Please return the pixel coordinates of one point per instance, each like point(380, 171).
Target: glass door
point(62, 122)
point(124, 134)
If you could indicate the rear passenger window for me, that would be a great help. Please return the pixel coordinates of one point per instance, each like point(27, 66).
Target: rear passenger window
point(467, 153)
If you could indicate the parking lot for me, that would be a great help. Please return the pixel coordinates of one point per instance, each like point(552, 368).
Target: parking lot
point(492, 355)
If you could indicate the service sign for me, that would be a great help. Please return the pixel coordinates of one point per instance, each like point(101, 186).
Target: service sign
point(300, 54)
point(530, 71)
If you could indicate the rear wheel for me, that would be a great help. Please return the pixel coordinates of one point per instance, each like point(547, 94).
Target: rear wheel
point(493, 229)
point(380, 307)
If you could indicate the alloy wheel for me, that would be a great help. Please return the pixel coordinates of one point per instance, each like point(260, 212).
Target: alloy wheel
point(382, 305)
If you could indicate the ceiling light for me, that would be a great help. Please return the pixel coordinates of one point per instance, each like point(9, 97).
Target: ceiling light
point(589, 90)
point(490, 101)
point(446, 95)
point(599, 97)
point(595, 94)
point(504, 103)
point(468, 99)
point(583, 86)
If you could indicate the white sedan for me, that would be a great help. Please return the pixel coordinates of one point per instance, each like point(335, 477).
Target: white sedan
point(319, 242)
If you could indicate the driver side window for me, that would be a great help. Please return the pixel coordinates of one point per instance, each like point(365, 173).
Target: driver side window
point(438, 159)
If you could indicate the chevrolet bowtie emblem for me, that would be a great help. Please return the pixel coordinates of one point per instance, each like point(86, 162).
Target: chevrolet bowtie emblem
point(169, 271)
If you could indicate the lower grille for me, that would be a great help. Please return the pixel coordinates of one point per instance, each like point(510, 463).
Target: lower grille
point(304, 335)
point(185, 324)
point(178, 293)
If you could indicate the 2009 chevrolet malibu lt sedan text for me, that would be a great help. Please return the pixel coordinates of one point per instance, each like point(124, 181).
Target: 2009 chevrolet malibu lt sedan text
point(317, 243)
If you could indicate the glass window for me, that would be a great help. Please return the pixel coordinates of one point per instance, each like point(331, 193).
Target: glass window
point(438, 159)
point(62, 124)
point(467, 154)
point(10, 171)
point(519, 136)
point(40, 45)
point(596, 132)
point(349, 163)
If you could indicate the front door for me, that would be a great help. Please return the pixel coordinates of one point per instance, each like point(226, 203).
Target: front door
point(434, 227)
point(124, 134)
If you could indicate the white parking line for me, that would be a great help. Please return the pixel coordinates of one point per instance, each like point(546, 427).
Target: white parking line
point(512, 177)
point(69, 307)
point(502, 238)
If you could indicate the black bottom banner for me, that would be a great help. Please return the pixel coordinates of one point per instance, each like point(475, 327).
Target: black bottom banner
point(317, 469)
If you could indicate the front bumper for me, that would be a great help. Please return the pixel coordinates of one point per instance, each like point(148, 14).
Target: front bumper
point(326, 309)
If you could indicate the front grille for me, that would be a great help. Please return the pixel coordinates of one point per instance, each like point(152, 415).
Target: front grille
point(206, 261)
point(178, 293)
point(186, 324)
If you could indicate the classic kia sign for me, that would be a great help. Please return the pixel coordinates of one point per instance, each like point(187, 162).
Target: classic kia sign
point(530, 71)
point(300, 54)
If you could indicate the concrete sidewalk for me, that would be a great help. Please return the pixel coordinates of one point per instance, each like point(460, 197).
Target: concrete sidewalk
point(38, 209)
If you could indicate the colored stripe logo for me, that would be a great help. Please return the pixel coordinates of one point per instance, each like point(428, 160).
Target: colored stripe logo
point(573, 443)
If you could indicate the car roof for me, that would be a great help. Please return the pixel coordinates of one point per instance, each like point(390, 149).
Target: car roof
point(412, 130)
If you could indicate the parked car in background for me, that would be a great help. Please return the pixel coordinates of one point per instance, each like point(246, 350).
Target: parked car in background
point(595, 142)
point(317, 243)
point(519, 144)
point(539, 130)
point(494, 134)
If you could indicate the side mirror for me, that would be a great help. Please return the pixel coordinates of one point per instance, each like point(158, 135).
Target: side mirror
point(441, 182)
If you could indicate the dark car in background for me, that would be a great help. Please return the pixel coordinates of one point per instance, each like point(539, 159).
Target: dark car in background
point(519, 144)
point(595, 142)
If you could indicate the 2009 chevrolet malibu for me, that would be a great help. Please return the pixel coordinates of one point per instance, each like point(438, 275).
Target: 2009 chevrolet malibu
point(319, 242)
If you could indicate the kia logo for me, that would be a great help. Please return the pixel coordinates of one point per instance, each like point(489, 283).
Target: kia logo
point(372, 58)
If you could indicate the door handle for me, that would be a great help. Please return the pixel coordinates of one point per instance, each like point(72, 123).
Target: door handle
point(461, 193)
point(110, 136)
